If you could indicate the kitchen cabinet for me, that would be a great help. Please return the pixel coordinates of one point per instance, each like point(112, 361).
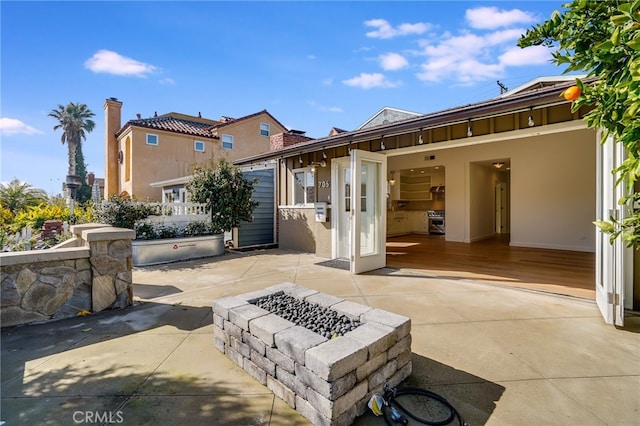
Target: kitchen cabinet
point(398, 223)
point(407, 222)
point(437, 178)
point(419, 222)
point(415, 188)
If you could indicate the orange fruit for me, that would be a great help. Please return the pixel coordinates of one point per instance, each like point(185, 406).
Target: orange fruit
point(572, 93)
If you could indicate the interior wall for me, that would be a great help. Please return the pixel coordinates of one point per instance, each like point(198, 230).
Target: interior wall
point(482, 182)
point(552, 188)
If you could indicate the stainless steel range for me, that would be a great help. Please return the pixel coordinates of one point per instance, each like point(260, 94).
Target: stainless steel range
point(436, 221)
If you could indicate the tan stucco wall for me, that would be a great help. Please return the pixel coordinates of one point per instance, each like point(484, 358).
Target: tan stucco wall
point(174, 156)
point(299, 231)
point(247, 140)
point(112, 117)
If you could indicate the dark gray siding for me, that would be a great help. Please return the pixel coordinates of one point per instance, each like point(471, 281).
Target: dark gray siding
point(261, 229)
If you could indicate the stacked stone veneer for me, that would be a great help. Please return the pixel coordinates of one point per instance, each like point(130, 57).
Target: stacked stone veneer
point(327, 381)
point(39, 285)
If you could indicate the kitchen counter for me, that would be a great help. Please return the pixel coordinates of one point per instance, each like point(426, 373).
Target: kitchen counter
point(407, 222)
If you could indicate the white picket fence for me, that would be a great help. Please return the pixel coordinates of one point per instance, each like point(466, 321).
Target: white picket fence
point(22, 240)
point(178, 214)
point(180, 209)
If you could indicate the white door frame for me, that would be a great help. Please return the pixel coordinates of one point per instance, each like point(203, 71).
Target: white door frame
point(368, 221)
point(337, 205)
point(613, 260)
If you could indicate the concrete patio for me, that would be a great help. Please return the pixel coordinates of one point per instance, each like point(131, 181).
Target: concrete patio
point(501, 356)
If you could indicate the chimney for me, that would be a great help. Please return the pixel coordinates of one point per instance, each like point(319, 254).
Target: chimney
point(139, 116)
point(112, 124)
point(283, 140)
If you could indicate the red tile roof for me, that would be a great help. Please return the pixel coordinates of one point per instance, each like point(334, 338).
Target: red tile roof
point(227, 121)
point(173, 122)
point(170, 123)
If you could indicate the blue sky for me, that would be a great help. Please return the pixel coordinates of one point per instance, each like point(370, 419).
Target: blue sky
point(313, 65)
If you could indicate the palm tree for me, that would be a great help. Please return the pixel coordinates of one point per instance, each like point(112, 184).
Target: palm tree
point(17, 196)
point(74, 120)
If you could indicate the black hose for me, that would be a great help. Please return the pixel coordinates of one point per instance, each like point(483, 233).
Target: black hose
point(390, 398)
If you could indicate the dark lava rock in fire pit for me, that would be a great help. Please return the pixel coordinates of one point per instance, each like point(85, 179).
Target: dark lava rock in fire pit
point(326, 322)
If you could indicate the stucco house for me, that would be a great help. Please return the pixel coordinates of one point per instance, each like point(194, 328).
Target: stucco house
point(145, 155)
point(522, 164)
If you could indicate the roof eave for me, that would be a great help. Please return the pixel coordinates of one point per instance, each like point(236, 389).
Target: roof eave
point(523, 101)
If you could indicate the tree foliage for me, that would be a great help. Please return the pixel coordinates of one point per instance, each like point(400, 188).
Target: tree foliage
point(35, 217)
point(17, 196)
point(75, 121)
point(226, 193)
point(83, 193)
point(602, 38)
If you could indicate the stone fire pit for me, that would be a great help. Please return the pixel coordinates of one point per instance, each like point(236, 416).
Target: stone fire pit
point(328, 381)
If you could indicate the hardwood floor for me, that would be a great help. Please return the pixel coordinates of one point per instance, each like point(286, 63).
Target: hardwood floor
point(493, 260)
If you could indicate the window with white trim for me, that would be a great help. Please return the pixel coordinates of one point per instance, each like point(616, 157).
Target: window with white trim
point(304, 188)
point(198, 146)
point(265, 129)
point(227, 141)
point(152, 139)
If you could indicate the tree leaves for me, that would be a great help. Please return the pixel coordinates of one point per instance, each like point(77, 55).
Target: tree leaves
point(602, 38)
point(226, 193)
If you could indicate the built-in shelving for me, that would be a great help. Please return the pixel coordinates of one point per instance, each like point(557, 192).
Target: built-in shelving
point(416, 188)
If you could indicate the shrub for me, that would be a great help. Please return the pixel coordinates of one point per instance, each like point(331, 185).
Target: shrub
point(194, 229)
point(35, 217)
point(122, 212)
point(165, 231)
point(145, 231)
point(226, 192)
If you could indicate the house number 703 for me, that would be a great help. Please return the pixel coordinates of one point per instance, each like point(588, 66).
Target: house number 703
point(324, 184)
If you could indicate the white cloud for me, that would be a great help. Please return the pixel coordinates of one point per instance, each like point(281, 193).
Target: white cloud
point(472, 57)
point(106, 61)
point(529, 56)
point(393, 61)
point(386, 30)
point(488, 18)
point(368, 81)
point(11, 126)
point(504, 36)
point(167, 81)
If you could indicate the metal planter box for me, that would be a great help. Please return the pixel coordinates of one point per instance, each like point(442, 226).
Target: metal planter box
point(153, 252)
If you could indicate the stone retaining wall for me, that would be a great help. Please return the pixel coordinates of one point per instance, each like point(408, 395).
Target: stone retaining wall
point(57, 283)
point(327, 381)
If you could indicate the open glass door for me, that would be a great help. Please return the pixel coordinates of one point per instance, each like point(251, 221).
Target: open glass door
point(341, 209)
point(369, 213)
point(611, 259)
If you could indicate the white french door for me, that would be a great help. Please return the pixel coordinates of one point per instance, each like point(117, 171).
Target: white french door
point(341, 211)
point(368, 211)
point(613, 261)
